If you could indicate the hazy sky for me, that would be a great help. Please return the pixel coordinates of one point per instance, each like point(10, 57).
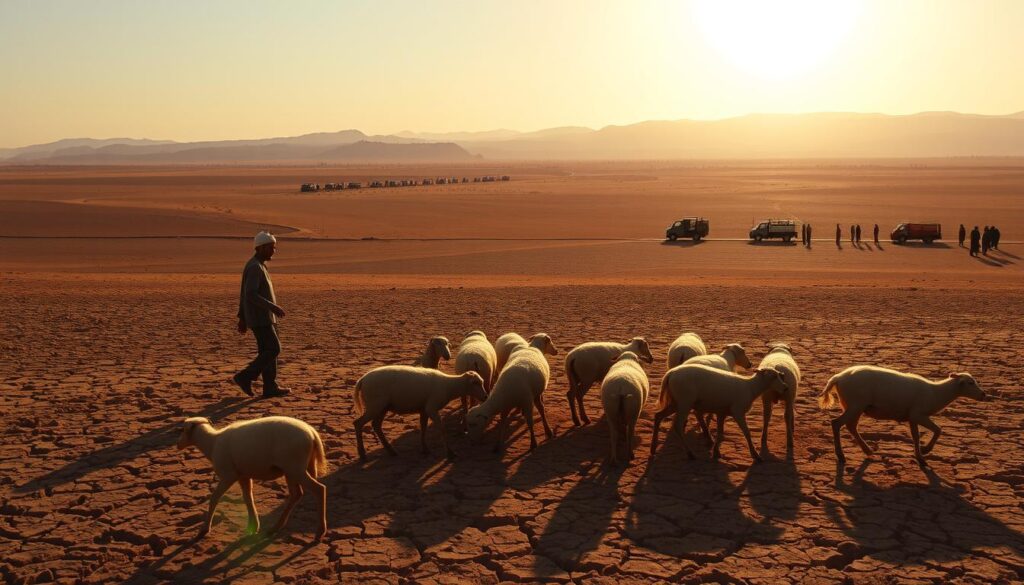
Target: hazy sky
point(191, 70)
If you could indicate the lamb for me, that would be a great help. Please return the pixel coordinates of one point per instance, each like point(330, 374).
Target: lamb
point(706, 389)
point(624, 391)
point(520, 386)
point(587, 365)
point(886, 394)
point(733, 355)
point(437, 349)
point(780, 358)
point(503, 347)
point(476, 354)
point(262, 448)
point(685, 346)
point(407, 390)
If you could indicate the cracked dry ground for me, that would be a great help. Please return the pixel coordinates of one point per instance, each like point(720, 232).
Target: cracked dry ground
point(92, 385)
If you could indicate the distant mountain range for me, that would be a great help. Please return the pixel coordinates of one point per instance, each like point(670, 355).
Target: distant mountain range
point(821, 135)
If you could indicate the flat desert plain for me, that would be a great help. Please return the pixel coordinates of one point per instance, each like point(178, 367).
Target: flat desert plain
point(119, 291)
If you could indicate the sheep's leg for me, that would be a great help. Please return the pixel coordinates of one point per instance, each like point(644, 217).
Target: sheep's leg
point(852, 427)
point(790, 420)
point(766, 411)
point(679, 426)
point(741, 420)
point(613, 433)
point(436, 417)
point(528, 417)
point(379, 431)
point(915, 434)
point(539, 403)
point(250, 504)
point(936, 431)
point(359, 424)
point(630, 432)
point(218, 492)
point(579, 404)
point(658, 417)
point(719, 435)
point(294, 495)
point(423, 433)
point(571, 397)
point(837, 423)
point(704, 422)
point(321, 497)
point(502, 427)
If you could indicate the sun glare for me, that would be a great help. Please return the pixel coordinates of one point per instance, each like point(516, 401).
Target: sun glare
point(776, 39)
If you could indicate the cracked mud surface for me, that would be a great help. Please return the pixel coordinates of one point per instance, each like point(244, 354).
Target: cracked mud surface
point(95, 379)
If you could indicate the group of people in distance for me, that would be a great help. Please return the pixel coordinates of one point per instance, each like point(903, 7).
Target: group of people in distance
point(981, 241)
point(854, 234)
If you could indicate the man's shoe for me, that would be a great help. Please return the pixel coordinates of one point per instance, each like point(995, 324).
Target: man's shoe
point(274, 393)
point(245, 385)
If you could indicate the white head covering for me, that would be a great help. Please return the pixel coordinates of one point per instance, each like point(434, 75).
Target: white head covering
point(263, 238)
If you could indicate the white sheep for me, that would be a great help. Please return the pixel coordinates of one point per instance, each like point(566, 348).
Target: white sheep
point(886, 394)
point(437, 349)
point(731, 358)
point(587, 365)
point(715, 391)
point(780, 358)
point(263, 448)
point(408, 390)
point(624, 392)
point(520, 386)
point(685, 346)
point(476, 354)
point(503, 347)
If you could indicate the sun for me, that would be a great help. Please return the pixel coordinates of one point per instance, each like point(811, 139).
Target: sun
point(776, 39)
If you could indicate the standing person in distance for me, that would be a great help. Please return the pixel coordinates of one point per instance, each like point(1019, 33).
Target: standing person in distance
point(258, 310)
point(808, 235)
point(986, 240)
point(975, 241)
point(876, 234)
point(839, 236)
point(962, 235)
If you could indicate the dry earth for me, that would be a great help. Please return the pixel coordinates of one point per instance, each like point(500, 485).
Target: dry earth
point(109, 343)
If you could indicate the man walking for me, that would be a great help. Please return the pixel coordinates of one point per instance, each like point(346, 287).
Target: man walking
point(963, 235)
point(839, 235)
point(258, 310)
point(876, 234)
point(975, 241)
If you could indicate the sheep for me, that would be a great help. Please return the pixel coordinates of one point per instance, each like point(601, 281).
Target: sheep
point(707, 389)
point(437, 349)
point(732, 356)
point(520, 385)
point(780, 358)
point(587, 365)
point(262, 448)
point(685, 347)
point(624, 391)
point(476, 354)
point(407, 390)
point(503, 347)
point(886, 394)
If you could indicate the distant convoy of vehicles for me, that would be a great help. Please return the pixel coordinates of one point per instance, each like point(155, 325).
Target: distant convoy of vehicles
point(696, 228)
point(314, 187)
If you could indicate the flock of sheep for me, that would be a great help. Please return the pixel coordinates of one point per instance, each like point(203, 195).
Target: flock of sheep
point(511, 376)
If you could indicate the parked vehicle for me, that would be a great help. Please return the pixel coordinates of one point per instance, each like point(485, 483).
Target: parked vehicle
point(926, 232)
point(354, 185)
point(783, 229)
point(310, 187)
point(688, 227)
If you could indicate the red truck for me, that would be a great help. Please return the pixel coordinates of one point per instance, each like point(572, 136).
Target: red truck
point(926, 232)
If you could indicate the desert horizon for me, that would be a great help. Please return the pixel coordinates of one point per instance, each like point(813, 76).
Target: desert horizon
point(710, 291)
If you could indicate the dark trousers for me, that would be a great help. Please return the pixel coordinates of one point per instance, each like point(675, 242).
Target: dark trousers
point(268, 347)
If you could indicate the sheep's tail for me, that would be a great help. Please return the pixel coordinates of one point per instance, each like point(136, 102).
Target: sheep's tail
point(319, 458)
point(357, 397)
point(663, 397)
point(570, 372)
point(828, 396)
